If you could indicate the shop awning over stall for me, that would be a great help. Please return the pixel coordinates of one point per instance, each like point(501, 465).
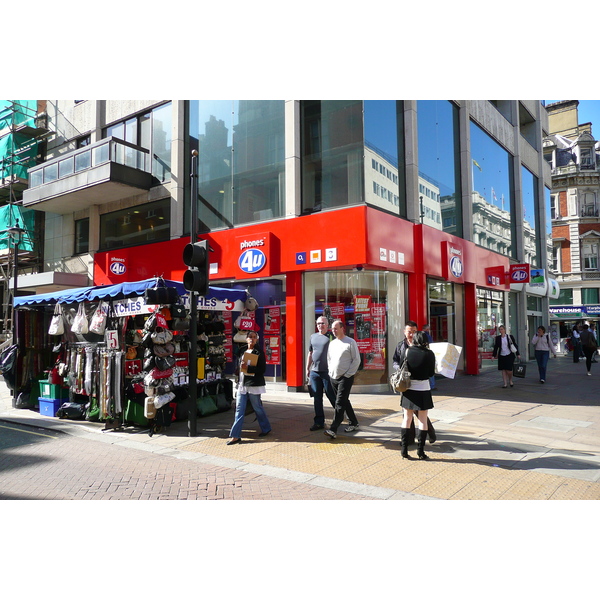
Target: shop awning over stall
point(126, 289)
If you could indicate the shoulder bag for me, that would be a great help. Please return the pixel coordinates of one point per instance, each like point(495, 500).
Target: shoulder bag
point(400, 379)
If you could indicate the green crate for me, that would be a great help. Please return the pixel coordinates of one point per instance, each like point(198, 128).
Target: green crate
point(51, 391)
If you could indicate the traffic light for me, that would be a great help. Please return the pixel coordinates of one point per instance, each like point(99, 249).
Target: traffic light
point(195, 279)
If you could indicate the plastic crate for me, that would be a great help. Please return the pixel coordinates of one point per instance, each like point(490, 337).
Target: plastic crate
point(51, 391)
point(49, 406)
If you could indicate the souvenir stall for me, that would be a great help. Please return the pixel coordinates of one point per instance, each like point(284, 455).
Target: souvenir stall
point(120, 353)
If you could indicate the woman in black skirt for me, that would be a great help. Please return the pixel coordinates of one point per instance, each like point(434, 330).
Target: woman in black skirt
point(506, 357)
point(421, 365)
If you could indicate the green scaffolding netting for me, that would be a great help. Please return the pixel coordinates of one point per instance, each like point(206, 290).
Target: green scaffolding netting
point(12, 215)
point(17, 150)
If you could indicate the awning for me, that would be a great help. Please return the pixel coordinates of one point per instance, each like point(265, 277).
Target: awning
point(127, 289)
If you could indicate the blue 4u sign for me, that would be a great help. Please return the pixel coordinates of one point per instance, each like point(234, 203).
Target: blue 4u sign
point(252, 260)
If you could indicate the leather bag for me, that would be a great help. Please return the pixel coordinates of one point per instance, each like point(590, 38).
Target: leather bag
point(400, 379)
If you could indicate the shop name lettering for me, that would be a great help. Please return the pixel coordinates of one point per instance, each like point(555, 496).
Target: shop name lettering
point(252, 244)
point(128, 307)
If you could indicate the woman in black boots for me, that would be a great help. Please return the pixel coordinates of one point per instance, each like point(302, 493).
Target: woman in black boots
point(421, 365)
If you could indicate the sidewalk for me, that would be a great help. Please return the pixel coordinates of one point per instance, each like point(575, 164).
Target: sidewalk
point(530, 442)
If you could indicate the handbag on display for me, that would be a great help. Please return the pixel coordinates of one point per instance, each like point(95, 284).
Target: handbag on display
point(162, 336)
point(57, 325)
point(163, 349)
point(163, 363)
point(205, 403)
point(98, 322)
point(400, 379)
point(80, 322)
point(178, 311)
point(161, 295)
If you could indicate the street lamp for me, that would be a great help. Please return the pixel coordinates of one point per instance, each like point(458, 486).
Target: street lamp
point(15, 234)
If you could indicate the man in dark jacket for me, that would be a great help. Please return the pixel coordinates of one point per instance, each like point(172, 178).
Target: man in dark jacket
point(589, 346)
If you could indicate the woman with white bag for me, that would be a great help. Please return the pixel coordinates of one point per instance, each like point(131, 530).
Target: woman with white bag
point(505, 349)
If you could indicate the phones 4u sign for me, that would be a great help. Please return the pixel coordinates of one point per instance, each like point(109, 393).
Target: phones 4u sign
point(519, 273)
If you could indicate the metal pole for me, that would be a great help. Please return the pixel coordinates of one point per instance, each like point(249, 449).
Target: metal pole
point(193, 367)
point(16, 266)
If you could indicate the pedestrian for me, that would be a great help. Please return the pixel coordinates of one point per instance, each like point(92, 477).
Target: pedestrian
point(543, 346)
point(426, 329)
point(505, 349)
point(317, 374)
point(251, 385)
point(343, 360)
point(410, 328)
point(576, 343)
point(588, 345)
point(593, 330)
point(420, 361)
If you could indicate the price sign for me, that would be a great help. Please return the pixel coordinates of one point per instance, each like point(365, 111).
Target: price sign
point(112, 338)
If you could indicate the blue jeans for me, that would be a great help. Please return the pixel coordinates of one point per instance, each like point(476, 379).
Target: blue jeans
point(342, 387)
point(542, 357)
point(319, 383)
point(240, 410)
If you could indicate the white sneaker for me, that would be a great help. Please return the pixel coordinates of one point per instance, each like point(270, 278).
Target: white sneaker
point(330, 433)
point(590, 374)
point(351, 428)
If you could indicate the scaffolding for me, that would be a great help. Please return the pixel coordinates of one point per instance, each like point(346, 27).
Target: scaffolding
point(23, 126)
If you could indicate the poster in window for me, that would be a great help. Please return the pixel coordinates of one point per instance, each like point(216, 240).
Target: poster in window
point(378, 326)
point(272, 349)
point(362, 323)
point(272, 319)
point(334, 311)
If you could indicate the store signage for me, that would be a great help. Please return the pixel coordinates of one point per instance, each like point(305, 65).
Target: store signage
point(453, 265)
point(495, 276)
point(252, 260)
point(518, 273)
point(537, 284)
point(117, 266)
point(566, 311)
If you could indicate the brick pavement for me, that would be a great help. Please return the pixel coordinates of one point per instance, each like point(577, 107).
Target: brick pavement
point(530, 442)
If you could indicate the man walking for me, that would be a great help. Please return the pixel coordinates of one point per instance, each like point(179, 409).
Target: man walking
point(343, 359)
point(589, 346)
point(317, 373)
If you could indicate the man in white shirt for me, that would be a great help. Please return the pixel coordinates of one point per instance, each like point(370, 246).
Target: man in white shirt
point(343, 360)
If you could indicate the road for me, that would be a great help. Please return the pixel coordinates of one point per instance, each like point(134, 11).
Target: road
point(42, 464)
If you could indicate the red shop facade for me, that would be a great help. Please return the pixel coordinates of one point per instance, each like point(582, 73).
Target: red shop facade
point(370, 268)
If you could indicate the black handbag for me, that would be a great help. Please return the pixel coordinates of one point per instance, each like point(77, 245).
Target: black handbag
point(161, 295)
point(519, 369)
point(178, 311)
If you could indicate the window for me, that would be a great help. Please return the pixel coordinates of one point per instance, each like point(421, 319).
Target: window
point(554, 207)
point(532, 232)
point(590, 296)
point(588, 204)
point(439, 160)
point(83, 141)
point(565, 297)
point(590, 256)
point(136, 225)
point(82, 236)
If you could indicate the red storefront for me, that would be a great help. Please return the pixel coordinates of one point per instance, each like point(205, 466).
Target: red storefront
point(357, 242)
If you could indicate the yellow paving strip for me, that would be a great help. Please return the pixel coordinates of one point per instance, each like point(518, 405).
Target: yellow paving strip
point(27, 431)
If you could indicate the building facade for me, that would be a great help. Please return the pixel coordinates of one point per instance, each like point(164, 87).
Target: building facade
point(574, 156)
point(371, 211)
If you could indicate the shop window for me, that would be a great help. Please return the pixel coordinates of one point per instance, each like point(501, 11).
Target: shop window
point(490, 314)
point(442, 311)
point(140, 224)
point(372, 307)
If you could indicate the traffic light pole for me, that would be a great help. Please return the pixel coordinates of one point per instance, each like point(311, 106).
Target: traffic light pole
point(193, 364)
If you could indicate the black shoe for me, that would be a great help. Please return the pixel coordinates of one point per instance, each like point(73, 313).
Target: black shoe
point(234, 441)
point(316, 427)
point(264, 433)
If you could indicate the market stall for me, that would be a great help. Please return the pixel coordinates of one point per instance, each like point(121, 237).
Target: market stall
point(120, 353)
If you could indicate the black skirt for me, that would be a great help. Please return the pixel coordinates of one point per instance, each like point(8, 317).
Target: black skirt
point(505, 363)
point(414, 400)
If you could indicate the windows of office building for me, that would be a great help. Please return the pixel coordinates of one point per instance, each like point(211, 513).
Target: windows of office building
point(82, 236)
point(152, 131)
point(139, 224)
point(439, 165)
point(590, 296)
point(531, 229)
point(589, 251)
point(493, 185)
point(241, 164)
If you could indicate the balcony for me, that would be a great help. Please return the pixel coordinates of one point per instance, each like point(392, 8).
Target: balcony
point(103, 172)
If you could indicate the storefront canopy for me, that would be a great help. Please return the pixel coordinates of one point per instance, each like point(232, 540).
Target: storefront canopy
point(127, 289)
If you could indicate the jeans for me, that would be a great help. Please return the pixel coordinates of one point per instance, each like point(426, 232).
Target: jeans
point(342, 387)
point(542, 357)
point(589, 353)
point(240, 410)
point(319, 383)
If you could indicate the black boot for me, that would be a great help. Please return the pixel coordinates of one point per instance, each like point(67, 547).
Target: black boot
point(404, 441)
point(422, 437)
point(431, 432)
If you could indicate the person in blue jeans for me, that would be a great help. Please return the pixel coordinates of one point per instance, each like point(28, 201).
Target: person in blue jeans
point(250, 387)
point(316, 371)
point(543, 346)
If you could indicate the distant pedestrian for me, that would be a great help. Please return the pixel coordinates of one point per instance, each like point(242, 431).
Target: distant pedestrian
point(543, 347)
point(317, 371)
point(250, 387)
point(576, 343)
point(588, 345)
point(421, 364)
point(426, 329)
point(343, 360)
point(503, 350)
point(593, 330)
